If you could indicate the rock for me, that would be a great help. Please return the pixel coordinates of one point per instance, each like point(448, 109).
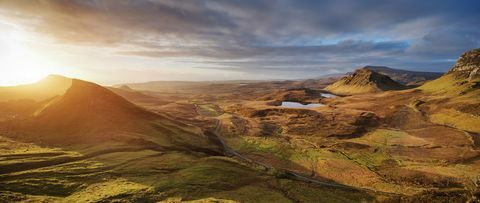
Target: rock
point(467, 66)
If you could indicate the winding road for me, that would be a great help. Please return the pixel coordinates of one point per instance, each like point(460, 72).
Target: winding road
point(288, 173)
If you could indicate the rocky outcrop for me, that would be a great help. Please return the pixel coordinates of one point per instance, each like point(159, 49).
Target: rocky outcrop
point(467, 66)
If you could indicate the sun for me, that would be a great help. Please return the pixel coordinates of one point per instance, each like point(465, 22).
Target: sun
point(19, 63)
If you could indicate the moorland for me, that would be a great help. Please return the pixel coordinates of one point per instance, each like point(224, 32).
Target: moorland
point(377, 135)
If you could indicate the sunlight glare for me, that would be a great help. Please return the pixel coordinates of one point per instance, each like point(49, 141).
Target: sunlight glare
point(19, 64)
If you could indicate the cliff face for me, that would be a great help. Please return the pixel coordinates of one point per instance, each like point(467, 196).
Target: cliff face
point(467, 66)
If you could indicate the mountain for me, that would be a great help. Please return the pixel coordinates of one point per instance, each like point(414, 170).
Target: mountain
point(91, 114)
point(363, 81)
point(52, 85)
point(87, 103)
point(405, 77)
point(462, 79)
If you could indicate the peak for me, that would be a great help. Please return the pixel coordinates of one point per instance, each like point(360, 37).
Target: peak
point(83, 91)
point(54, 81)
point(366, 72)
point(364, 80)
point(376, 67)
point(364, 69)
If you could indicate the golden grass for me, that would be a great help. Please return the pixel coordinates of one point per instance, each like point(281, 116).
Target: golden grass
point(448, 86)
point(457, 119)
point(342, 89)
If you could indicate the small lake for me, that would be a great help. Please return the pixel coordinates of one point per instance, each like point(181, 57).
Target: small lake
point(299, 105)
point(327, 95)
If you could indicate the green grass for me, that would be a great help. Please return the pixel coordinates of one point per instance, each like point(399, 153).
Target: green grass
point(304, 193)
point(146, 175)
point(59, 180)
point(381, 140)
point(254, 193)
point(207, 175)
point(109, 190)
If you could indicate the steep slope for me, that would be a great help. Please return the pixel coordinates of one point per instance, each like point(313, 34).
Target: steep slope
point(48, 87)
point(462, 79)
point(90, 104)
point(405, 77)
point(363, 81)
point(91, 114)
point(456, 95)
point(137, 97)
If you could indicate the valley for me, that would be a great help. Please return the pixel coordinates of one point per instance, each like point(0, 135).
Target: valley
point(364, 138)
point(240, 101)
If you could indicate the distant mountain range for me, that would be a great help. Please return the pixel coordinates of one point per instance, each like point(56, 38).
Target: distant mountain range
point(405, 77)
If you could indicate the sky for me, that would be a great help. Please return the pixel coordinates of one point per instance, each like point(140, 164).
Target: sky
point(116, 41)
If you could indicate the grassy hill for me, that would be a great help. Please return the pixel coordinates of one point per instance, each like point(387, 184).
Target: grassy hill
point(462, 79)
point(363, 81)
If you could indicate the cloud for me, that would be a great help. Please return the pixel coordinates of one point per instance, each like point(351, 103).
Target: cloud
point(238, 34)
point(241, 52)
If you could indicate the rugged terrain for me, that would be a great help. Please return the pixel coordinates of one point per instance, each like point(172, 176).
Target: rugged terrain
point(409, 78)
point(92, 145)
point(364, 81)
point(226, 142)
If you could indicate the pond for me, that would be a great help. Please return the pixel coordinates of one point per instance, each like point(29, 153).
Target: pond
point(299, 105)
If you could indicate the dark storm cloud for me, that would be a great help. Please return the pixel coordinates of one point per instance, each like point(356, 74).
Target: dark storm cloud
point(327, 34)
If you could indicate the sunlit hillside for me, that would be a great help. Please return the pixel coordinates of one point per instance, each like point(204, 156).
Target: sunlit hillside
point(270, 101)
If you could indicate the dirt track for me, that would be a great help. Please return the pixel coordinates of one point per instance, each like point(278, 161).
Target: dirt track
point(214, 136)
